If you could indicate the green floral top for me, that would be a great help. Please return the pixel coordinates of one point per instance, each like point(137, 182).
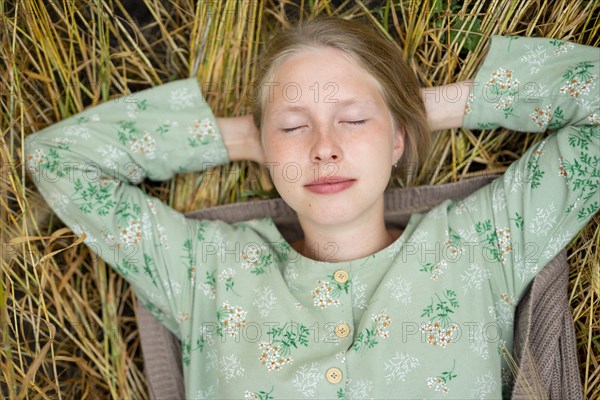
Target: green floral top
point(427, 317)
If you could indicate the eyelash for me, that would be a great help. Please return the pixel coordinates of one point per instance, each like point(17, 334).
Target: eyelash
point(362, 121)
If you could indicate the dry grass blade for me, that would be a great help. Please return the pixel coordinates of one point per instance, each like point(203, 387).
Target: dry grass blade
point(68, 321)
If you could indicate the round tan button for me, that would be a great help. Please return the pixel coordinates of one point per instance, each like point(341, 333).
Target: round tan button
point(333, 375)
point(340, 276)
point(342, 330)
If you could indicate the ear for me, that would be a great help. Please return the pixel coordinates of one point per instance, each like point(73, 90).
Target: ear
point(398, 146)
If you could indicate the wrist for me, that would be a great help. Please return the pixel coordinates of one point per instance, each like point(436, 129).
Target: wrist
point(445, 105)
point(241, 138)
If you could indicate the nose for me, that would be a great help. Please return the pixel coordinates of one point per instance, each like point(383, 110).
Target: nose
point(326, 147)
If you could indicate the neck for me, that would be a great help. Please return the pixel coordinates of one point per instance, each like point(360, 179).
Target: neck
point(355, 239)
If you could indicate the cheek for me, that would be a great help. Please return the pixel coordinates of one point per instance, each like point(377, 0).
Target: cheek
point(281, 162)
point(282, 154)
point(377, 150)
point(273, 147)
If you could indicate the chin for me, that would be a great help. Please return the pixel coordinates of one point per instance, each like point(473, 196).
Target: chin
point(329, 210)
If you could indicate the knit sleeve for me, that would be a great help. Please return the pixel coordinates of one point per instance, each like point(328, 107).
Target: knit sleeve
point(87, 167)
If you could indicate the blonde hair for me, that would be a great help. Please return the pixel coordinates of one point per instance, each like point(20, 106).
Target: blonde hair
point(379, 56)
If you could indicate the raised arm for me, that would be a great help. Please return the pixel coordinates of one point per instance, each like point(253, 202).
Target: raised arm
point(87, 168)
point(524, 218)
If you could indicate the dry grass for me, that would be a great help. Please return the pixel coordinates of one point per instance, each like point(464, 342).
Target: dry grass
point(68, 327)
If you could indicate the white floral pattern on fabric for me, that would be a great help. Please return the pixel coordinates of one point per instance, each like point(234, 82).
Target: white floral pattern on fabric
point(80, 130)
point(541, 117)
point(504, 86)
point(231, 367)
point(536, 57)
point(131, 233)
point(359, 295)
point(231, 319)
point(561, 47)
point(207, 394)
point(440, 383)
point(265, 300)
point(322, 295)
point(181, 99)
point(474, 277)
point(438, 334)
point(399, 366)
point(327, 292)
point(272, 356)
point(368, 338)
point(145, 145)
point(202, 132)
point(358, 389)
point(307, 379)
point(478, 340)
point(484, 386)
point(35, 160)
point(400, 290)
point(579, 80)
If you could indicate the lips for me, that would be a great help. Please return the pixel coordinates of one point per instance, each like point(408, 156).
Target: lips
point(329, 185)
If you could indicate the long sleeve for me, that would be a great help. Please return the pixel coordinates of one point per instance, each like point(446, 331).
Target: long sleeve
point(87, 167)
point(551, 192)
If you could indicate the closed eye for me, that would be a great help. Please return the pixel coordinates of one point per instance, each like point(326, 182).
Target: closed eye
point(290, 129)
point(362, 121)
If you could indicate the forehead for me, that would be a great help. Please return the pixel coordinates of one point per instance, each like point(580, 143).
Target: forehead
point(323, 75)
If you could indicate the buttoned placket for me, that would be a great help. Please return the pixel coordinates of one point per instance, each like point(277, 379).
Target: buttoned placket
point(335, 374)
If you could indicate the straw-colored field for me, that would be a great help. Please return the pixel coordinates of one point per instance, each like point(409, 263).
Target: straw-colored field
point(67, 325)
